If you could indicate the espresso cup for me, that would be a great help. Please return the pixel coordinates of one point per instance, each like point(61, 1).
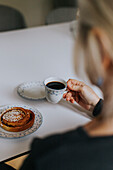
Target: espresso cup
point(54, 89)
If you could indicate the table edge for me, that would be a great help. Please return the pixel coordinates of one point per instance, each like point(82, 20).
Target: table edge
point(14, 157)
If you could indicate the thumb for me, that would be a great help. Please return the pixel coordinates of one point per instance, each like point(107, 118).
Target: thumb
point(74, 85)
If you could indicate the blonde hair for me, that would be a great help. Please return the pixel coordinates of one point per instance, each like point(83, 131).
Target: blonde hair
point(94, 14)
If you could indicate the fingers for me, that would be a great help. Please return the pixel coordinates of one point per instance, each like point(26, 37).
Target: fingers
point(74, 85)
point(72, 100)
point(64, 95)
point(69, 97)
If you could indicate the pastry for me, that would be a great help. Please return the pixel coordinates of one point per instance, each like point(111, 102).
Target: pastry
point(16, 119)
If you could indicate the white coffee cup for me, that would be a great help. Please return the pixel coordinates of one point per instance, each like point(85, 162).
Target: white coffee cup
point(54, 95)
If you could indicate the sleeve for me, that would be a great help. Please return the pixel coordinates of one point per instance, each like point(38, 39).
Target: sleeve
point(98, 108)
point(39, 148)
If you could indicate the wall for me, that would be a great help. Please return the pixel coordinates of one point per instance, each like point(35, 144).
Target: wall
point(34, 11)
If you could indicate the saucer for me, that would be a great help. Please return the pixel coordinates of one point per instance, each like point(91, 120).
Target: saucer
point(32, 90)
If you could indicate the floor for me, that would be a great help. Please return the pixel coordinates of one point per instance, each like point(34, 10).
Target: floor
point(16, 163)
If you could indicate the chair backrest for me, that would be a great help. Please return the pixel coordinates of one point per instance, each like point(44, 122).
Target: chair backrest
point(10, 19)
point(61, 15)
point(65, 3)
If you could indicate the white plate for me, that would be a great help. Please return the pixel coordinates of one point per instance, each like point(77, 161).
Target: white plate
point(36, 125)
point(32, 90)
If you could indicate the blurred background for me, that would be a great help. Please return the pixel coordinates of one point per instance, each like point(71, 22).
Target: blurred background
point(40, 12)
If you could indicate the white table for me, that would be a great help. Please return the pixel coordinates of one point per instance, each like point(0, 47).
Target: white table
point(30, 55)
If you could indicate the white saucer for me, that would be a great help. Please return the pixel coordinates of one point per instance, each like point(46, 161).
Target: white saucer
point(32, 90)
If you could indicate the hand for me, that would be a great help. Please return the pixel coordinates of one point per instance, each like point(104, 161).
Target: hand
point(81, 93)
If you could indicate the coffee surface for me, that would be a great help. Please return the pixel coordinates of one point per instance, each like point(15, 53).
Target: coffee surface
point(55, 85)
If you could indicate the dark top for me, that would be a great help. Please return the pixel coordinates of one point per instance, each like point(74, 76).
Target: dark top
point(74, 150)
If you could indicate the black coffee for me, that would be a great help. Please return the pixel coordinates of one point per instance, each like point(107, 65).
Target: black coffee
point(55, 85)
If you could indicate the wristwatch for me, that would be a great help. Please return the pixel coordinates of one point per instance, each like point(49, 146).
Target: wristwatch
point(98, 108)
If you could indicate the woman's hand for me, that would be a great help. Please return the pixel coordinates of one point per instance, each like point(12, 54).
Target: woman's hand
point(81, 93)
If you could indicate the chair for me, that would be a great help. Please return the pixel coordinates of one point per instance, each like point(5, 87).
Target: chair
point(64, 11)
point(64, 3)
point(10, 19)
point(60, 15)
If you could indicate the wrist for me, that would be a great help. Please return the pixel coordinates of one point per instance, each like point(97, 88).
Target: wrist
point(95, 101)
